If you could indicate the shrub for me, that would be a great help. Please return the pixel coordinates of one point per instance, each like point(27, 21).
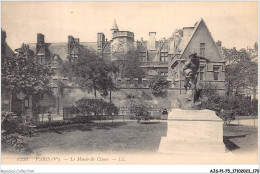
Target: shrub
point(13, 124)
point(14, 142)
point(140, 111)
point(110, 109)
point(96, 106)
point(230, 106)
point(159, 86)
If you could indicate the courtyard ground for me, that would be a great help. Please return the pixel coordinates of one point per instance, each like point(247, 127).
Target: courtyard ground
point(128, 137)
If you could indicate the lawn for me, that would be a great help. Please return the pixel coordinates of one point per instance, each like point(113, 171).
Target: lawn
point(241, 139)
point(127, 137)
point(105, 137)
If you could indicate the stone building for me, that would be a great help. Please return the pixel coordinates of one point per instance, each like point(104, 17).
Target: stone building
point(153, 54)
point(157, 57)
point(197, 39)
point(6, 51)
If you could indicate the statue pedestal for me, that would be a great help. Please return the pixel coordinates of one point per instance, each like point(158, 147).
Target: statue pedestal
point(193, 131)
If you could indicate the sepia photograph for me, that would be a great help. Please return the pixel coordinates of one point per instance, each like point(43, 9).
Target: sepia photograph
point(129, 83)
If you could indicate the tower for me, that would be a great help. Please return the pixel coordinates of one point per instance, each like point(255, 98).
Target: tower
point(114, 29)
point(101, 40)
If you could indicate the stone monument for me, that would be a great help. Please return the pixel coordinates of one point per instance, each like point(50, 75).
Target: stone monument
point(191, 129)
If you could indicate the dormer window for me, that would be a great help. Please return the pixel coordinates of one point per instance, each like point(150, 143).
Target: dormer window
point(142, 57)
point(164, 57)
point(41, 58)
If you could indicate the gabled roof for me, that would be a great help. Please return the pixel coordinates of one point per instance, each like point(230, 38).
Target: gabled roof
point(61, 49)
point(185, 43)
point(8, 51)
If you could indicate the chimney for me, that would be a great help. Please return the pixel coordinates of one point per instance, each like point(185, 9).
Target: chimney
point(3, 36)
point(171, 44)
point(40, 38)
point(70, 38)
point(100, 40)
point(152, 41)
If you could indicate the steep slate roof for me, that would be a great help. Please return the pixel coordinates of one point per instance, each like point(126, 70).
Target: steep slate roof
point(89, 45)
point(8, 51)
point(184, 43)
point(142, 46)
point(61, 48)
point(106, 48)
point(114, 27)
point(160, 46)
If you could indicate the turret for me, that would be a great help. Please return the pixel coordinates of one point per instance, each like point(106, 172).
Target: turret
point(114, 29)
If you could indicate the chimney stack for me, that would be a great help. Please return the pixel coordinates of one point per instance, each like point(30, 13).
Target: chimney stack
point(40, 38)
point(152, 41)
point(3, 36)
point(70, 38)
point(101, 40)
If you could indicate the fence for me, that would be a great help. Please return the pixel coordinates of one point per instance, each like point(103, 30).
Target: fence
point(70, 113)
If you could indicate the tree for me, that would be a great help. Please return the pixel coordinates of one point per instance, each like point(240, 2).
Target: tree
point(22, 75)
point(128, 64)
point(140, 111)
point(159, 85)
point(90, 72)
point(240, 71)
point(241, 75)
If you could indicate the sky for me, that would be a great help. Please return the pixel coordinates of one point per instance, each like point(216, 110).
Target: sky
point(234, 23)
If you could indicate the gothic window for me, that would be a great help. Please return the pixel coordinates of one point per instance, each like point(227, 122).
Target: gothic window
point(216, 70)
point(142, 57)
point(202, 49)
point(201, 72)
point(164, 57)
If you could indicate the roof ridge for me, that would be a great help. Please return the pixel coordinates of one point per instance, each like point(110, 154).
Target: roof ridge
point(194, 31)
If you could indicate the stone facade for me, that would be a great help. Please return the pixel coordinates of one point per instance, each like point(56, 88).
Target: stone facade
point(198, 39)
point(6, 51)
point(153, 55)
point(156, 56)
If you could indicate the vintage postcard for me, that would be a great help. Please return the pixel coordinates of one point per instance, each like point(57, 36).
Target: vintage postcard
point(129, 83)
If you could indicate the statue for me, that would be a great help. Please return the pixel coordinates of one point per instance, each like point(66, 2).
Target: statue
point(190, 72)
